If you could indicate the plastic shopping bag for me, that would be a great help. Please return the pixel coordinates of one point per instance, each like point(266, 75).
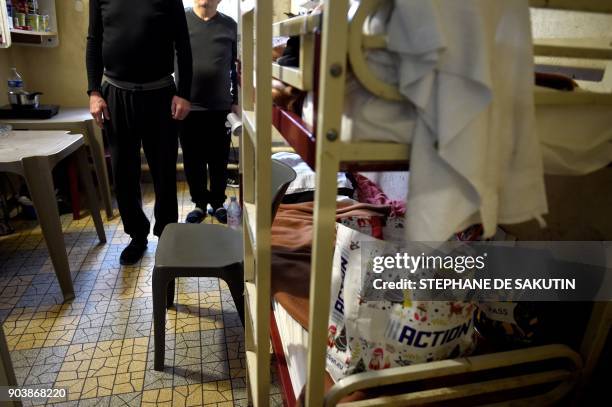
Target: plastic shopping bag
point(366, 334)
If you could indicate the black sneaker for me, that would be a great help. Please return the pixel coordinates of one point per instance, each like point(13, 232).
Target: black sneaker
point(133, 252)
point(221, 215)
point(195, 216)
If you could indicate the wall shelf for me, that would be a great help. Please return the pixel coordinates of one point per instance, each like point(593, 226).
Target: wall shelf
point(14, 36)
point(34, 33)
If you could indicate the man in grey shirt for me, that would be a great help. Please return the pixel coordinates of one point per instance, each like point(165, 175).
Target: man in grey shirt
point(214, 93)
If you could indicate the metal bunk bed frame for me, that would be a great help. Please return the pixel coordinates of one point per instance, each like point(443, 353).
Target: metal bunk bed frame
point(341, 37)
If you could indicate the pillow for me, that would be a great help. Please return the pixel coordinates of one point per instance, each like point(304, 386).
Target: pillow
point(305, 177)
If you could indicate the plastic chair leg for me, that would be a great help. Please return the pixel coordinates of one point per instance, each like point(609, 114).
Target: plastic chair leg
point(160, 287)
point(75, 197)
point(170, 293)
point(234, 277)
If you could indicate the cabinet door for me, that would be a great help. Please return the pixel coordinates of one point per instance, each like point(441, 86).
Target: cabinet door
point(5, 33)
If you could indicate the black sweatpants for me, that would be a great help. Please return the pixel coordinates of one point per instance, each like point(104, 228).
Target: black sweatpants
point(206, 143)
point(143, 118)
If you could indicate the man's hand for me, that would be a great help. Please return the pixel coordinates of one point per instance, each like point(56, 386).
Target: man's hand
point(236, 110)
point(98, 108)
point(180, 108)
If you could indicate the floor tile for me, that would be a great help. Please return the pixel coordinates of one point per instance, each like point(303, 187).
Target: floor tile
point(99, 346)
point(40, 374)
point(126, 400)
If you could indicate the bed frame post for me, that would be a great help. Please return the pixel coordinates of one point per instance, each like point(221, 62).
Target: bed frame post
point(331, 102)
point(256, 40)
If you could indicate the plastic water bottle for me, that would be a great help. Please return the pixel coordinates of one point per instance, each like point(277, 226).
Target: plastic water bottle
point(15, 82)
point(9, 9)
point(234, 219)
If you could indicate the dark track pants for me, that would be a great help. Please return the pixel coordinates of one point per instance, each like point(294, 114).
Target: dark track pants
point(206, 143)
point(143, 118)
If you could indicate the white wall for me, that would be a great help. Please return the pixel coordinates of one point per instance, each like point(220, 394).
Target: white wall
point(230, 8)
point(568, 24)
point(4, 72)
point(57, 72)
point(227, 7)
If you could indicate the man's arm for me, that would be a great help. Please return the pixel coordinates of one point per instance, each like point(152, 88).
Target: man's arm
point(180, 103)
point(95, 64)
point(183, 50)
point(93, 55)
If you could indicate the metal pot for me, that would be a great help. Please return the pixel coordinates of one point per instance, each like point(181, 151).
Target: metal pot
point(24, 100)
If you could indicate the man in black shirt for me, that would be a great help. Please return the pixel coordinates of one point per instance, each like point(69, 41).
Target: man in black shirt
point(214, 93)
point(133, 44)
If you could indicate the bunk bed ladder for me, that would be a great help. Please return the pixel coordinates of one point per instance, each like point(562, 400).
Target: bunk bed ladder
point(255, 157)
point(331, 101)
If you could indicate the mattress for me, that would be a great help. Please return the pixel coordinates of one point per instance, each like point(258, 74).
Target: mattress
point(294, 339)
point(369, 118)
point(575, 139)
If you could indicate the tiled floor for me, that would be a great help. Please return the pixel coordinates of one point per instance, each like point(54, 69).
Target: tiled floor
point(99, 346)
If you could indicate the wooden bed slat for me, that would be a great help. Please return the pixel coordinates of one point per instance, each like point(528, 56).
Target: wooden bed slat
point(300, 25)
point(293, 76)
point(443, 368)
point(589, 48)
point(463, 391)
point(550, 97)
point(597, 6)
point(362, 156)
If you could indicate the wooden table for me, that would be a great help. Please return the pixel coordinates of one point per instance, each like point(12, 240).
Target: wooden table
point(33, 154)
point(77, 121)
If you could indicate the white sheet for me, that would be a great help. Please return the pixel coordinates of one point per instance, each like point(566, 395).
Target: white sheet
point(574, 139)
point(294, 339)
point(365, 116)
point(305, 176)
point(467, 66)
point(369, 118)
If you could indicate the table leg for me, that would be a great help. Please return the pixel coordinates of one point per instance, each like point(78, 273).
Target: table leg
point(96, 144)
point(92, 199)
point(38, 177)
point(75, 197)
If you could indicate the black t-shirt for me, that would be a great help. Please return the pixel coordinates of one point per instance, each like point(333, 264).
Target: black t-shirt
point(213, 46)
point(136, 40)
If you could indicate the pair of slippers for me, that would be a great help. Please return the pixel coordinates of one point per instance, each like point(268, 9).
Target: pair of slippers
point(198, 215)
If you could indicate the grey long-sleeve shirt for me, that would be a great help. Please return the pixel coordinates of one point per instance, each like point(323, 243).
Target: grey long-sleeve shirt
point(213, 46)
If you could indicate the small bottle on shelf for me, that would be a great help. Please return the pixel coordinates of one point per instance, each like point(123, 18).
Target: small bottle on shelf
point(9, 10)
point(234, 214)
point(33, 6)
